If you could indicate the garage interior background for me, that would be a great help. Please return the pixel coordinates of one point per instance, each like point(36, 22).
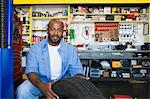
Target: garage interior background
point(112, 38)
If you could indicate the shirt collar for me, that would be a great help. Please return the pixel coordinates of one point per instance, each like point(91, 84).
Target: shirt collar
point(62, 45)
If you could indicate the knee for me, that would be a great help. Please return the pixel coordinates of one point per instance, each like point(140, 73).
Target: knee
point(27, 90)
point(22, 90)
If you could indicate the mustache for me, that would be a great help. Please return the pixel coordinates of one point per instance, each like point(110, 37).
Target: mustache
point(56, 36)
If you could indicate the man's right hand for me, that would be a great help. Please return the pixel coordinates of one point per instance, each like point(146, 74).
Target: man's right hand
point(48, 92)
point(45, 87)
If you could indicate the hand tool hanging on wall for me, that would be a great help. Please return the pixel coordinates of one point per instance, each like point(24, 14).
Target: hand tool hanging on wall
point(86, 32)
point(72, 35)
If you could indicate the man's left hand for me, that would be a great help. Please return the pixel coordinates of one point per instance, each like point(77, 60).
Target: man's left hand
point(81, 76)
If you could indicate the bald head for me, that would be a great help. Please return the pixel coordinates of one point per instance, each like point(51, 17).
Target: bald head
point(55, 21)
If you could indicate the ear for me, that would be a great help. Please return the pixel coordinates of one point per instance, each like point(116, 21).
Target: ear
point(47, 31)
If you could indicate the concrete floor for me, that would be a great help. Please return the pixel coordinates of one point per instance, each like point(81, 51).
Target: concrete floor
point(137, 91)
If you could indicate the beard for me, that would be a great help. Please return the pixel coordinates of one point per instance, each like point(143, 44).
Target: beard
point(54, 39)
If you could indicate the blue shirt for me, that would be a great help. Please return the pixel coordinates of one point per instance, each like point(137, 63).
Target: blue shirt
point(38, 60)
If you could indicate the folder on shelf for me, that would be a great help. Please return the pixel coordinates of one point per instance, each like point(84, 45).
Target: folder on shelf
point(116, 64)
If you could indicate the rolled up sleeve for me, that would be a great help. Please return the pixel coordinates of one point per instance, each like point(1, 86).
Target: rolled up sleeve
point(32, 64)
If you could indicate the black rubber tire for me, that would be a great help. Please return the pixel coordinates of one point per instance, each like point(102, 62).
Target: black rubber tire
point(76, 88)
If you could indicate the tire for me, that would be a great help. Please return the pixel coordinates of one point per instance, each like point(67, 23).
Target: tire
point(76, 88)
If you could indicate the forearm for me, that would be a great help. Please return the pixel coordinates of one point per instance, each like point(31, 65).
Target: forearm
point(35, 80)
point(45, 87)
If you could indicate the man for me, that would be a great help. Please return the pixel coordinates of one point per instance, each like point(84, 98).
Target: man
point(48, 61)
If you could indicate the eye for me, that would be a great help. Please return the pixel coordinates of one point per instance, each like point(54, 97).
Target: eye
point(60, 30)
point(52, 29)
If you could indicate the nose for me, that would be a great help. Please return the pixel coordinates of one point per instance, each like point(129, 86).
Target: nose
point(56, 32)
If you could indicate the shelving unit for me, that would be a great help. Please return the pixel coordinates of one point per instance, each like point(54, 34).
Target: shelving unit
point(133, 14)
point(39, 29)
point(59, 17)
point(24, 15)
point(100, 14)
point(109, 21)
point(109, 12)
point(114, 54)
point(127, 62)
point(40, 16)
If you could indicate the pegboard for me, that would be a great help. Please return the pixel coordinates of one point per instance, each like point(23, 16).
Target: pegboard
point(106, 32)
point(83, 33)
